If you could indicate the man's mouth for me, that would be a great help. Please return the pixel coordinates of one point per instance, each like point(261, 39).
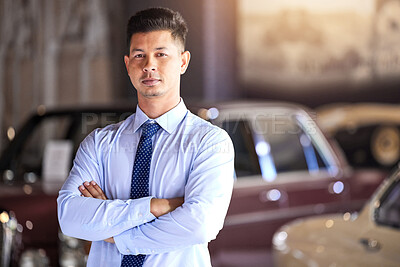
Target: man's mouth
point(150, 81)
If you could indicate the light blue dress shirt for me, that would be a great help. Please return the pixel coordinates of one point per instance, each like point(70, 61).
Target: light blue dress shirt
point(191, 158)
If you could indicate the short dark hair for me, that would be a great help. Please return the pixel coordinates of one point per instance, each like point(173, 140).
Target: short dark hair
point(156, 19)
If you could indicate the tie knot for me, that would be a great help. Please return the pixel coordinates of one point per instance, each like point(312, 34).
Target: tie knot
point(149, 129)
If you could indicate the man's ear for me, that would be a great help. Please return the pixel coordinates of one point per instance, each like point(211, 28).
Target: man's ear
point(126, 60)
point(185, 56)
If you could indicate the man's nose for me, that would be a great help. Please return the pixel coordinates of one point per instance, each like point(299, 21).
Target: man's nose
point(150, 65)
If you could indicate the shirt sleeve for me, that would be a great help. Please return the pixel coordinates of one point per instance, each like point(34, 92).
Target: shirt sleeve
point(95, 219)
point(207, 196)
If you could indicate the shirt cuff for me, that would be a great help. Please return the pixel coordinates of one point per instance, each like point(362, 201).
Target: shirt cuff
point(140, 213)
point(125, 244)
point(120, 241)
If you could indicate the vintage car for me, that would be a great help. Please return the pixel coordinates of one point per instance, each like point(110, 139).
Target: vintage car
point(33, 168)
point(285, 169)
point(368, 239)
point(368, 133)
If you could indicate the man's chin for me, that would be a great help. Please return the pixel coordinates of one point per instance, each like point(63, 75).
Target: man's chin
point(152, 93)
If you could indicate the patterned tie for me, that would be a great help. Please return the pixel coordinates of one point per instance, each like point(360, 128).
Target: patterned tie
point(140, 180)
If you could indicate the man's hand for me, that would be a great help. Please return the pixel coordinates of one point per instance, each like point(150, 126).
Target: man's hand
point(161, 206)
point(110, 240)
point(93, 190)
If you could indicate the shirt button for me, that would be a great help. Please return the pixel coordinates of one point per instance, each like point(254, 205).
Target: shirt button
point(128, 250)
point(140, 215)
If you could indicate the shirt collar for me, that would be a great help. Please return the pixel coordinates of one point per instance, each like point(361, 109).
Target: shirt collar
point(168, 121)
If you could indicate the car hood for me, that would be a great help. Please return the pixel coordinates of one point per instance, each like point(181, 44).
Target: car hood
point(325, 240)
point(322, 230)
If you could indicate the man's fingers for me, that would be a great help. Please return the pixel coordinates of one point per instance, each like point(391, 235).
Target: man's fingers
point(92, 190)
point(84, 191)
point(98, 190)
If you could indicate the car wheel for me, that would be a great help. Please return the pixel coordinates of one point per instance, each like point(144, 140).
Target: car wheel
point(385, 145)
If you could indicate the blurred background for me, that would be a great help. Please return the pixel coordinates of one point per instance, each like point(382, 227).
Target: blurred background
point(336, 62)
point(312, 52)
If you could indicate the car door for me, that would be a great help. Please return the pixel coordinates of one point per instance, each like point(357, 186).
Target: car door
point(281, 174)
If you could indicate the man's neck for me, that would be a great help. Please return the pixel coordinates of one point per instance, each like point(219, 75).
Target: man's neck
point(154, 107)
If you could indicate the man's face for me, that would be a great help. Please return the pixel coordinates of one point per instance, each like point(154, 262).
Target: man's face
point(155, 64)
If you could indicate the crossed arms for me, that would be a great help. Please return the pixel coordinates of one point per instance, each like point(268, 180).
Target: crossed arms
point(158, 206)
point(148, 225)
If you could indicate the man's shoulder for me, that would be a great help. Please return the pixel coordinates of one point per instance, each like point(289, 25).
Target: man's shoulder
point(206, 136)
point(197, 122)
point(111, 130)
point(203, 127)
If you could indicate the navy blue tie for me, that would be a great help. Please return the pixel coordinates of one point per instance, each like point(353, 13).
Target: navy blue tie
point(140, 180)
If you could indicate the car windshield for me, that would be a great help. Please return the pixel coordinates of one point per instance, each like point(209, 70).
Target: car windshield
point(388, 212)
point(290, 147)
point(25, 154)
point(272, 144)
point(31, 156)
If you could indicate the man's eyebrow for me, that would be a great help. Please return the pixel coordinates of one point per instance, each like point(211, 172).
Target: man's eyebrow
point(137, 50)
point(156, 49)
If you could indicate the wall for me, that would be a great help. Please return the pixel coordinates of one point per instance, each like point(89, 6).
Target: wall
point(55, 53)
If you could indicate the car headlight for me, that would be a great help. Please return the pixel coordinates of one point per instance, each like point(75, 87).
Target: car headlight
point(10, 238)
point(73, 251)
point(34, 258)
point(279, 240)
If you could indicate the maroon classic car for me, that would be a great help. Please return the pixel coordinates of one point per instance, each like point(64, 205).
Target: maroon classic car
point(285, 169)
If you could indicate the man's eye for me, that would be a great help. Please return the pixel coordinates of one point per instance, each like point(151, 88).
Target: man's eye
point(161, 54)
point(138, 56)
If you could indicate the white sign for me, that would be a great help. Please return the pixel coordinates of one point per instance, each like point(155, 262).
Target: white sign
point(57, 161)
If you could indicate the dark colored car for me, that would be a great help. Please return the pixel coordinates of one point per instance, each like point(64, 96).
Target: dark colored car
point(33, 168)
point(285, 169)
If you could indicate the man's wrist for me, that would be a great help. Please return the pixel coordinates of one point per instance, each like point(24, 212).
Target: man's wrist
point(157, 206)
point(161, 206)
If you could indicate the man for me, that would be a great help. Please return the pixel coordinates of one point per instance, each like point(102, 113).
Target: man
point(154, 189)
